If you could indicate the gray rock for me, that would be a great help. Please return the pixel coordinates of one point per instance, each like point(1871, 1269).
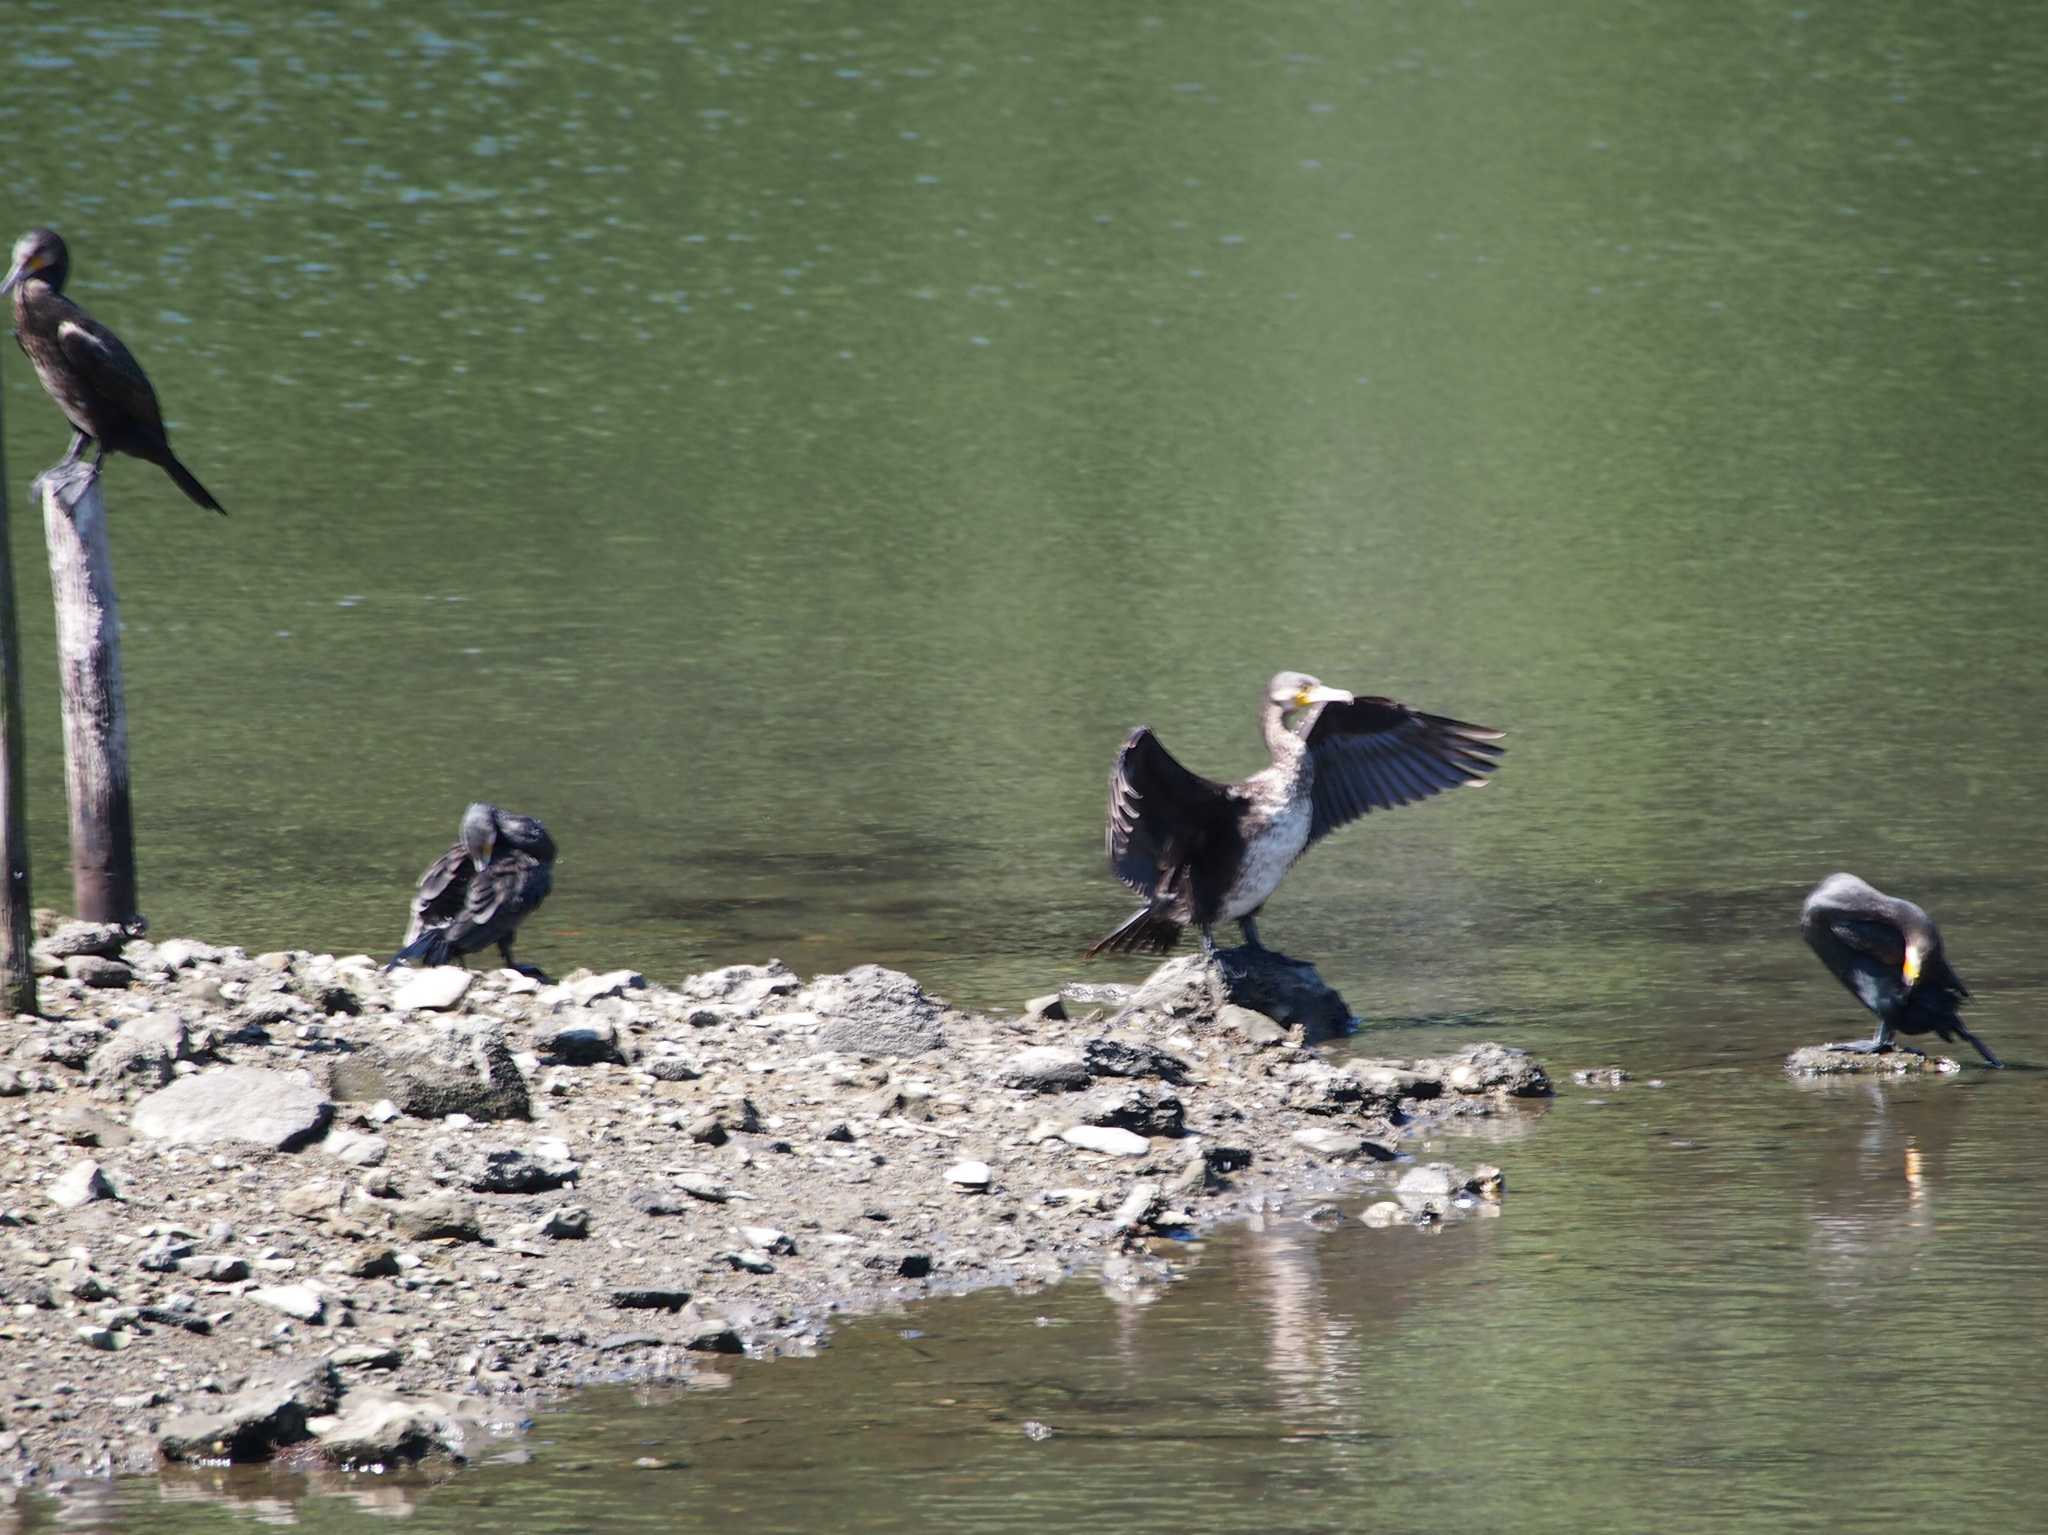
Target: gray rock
point(1601, 1076)
point(352, 1148)
point(264, 1416)
point(571, 1223)
point(276, 1109)
point(1384, 1212)
point(871, 1010)
point(85, 1126)
point(184, 953)
point(436, 1215)
point(145, 1048)
point(742, 990)
point(457, 1067)
point(585, 988)
point(100, 974)
point(1341, 1145)
point(1820, 1061)
point(1289, 991)
point(434, 990)
point(102, 940)
point(1044, 1069)
point(80, 1184)
point(381, 1429)
point(535, 1169)
point(583, 1040)
point(1489, 1068)
point(1256, 1028)
point(673, 1068)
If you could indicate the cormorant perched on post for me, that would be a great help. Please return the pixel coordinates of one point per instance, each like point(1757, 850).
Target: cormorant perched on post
point(1202, 852)
point(95, 381)
point(1888, 952)
point(478, 892)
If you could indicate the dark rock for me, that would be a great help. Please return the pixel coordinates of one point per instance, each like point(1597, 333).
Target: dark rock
point(1132, 1058)
point(1289, 991)
point(584, 1041)
point(1134, 1106)
point(1044, 1069)
point(649, 1298)
point(275, 1109)
point(1050, 1008)
point(840, 1134)
point(612, 1343)
point(456, 1067)
point(100, 974)
point(871, 1010)
point(504, 1169)
point(258, 1420)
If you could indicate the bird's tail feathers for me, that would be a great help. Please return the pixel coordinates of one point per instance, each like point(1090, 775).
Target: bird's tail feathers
point(430, 948)
point(182, 478)
point(1145, 931)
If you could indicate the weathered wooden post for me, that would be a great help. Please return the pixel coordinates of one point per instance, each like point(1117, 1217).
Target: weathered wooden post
point(95, 712)
point(17, 966)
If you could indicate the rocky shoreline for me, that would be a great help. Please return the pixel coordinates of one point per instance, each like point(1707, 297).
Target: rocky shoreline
point(287, 1206)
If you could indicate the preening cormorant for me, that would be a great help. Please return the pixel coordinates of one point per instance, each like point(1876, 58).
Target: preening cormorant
point(1201, 852)
point(478, 892)
point(1888, 952)
point(94, 379)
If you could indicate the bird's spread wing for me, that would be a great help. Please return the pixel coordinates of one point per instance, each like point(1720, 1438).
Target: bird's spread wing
point(1162, 817)
point(108, 369)
point(499, 899)
point(442, 891)
point(1374, 754)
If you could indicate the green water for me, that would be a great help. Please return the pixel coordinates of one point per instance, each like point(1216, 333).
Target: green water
point(784, 447)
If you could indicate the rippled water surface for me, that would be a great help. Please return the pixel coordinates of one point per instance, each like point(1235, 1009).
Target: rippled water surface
point(784, 446)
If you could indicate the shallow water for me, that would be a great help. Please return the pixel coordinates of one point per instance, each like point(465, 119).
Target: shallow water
point(785, 446)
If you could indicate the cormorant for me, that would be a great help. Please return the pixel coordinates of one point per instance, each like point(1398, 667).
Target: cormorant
point(478, 892)
point(1888, 952)
point(1201, 852)
point(94, 379)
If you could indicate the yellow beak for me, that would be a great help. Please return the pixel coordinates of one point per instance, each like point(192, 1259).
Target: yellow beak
point(1320, 695)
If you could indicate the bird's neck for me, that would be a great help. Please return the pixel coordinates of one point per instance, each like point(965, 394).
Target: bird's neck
point(1290, 751)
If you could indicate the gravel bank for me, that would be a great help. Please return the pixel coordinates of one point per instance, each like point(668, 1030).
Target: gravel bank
point(287, 1205)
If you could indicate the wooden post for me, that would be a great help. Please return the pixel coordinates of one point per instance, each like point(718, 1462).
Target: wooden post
point(17, 936)
point(95, 713)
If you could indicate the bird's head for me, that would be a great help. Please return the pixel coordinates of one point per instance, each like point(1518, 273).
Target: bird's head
point(480, 832)
point(39, 253)
point(1293, 692)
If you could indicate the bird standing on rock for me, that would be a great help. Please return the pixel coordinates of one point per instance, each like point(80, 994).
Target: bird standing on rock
point(1888, 953)
point(1202, 852)
point(83, 366)
point(478, 892)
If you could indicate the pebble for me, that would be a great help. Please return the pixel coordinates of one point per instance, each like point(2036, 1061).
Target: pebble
point(79, 1184)
point(970, 1175)
point(1106, 1139)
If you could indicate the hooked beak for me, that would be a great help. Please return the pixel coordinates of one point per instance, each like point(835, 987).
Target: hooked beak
point(15, 274)
point(1320, 695)
point(481, 857)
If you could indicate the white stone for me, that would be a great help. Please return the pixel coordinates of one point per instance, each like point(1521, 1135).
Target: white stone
point(1334, 1144)
point(277, 1109)
point(434, 990)
point(1106, 1139)
point(80, 1184)
point(295, 1300)
point(970, 1175)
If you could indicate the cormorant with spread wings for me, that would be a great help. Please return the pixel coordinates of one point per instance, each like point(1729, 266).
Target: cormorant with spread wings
point(1201, 852)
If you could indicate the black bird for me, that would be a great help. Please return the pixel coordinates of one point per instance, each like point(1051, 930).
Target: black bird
point(94, 379)
point(1202, 852)
point(1888, 952)
point(478, 892)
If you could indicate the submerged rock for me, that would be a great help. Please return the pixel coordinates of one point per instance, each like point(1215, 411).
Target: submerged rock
point(1820, 1061)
